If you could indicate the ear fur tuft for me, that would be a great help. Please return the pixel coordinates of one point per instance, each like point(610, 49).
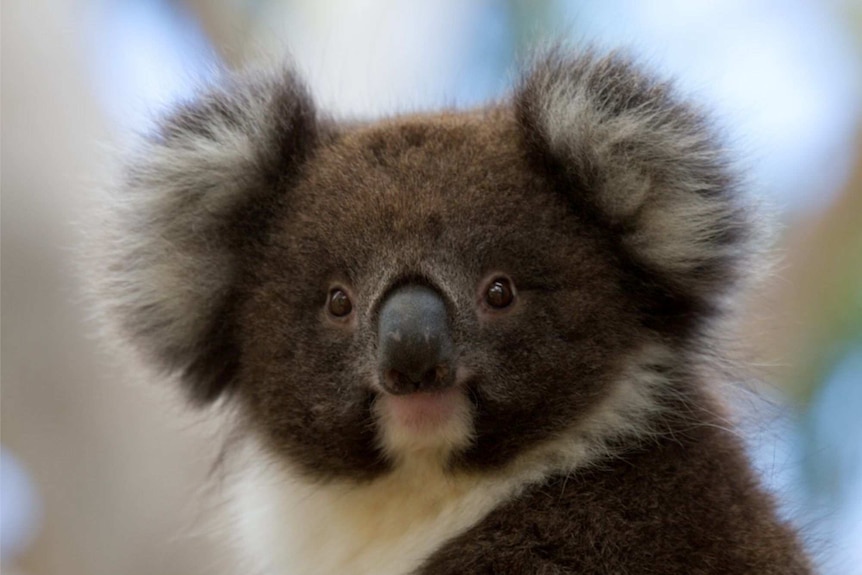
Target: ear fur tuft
point(195, 197)
point(648, 165)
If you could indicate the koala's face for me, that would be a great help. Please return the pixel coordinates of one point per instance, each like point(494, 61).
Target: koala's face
point(459, 287)
point(425, 288)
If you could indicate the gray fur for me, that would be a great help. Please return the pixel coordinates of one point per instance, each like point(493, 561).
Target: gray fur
point(649, 163)
point(176, 236)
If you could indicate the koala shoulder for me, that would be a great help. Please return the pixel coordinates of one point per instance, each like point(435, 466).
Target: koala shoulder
point(689, 501)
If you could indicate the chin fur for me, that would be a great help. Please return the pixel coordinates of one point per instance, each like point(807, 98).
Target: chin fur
point(289, 523)
point(401, 443)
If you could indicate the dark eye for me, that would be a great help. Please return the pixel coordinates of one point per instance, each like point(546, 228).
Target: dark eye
point(339, 303)
point(500, 294)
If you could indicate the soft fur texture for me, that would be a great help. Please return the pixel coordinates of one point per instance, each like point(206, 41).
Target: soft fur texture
point(583, 439)
point(188, 209)
point(389, 526)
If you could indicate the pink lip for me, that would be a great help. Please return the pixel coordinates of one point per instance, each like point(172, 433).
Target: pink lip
point(424, 409)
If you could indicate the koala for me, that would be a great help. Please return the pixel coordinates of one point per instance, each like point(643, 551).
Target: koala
point(463, 342)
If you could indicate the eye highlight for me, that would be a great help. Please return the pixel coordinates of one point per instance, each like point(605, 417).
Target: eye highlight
point(500, 294)
point(339, 304)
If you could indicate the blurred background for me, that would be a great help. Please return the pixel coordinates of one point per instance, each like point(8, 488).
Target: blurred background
point(102, 474)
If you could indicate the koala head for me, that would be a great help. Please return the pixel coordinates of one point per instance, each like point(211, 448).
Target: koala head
point(466, 284)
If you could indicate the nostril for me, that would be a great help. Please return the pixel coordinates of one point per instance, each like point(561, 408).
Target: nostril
point(399, 383)
point(434, 377)
point(429, 378)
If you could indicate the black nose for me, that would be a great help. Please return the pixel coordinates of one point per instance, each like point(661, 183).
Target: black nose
point(415, 346)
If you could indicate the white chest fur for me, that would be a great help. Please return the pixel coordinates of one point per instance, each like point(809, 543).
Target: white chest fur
point(387, 527)
point(289, 526)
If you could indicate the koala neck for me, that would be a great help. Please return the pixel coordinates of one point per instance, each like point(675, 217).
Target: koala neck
point(385, 527)
point(388, 526)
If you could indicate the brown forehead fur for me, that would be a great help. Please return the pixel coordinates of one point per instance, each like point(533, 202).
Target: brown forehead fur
point(396, 180)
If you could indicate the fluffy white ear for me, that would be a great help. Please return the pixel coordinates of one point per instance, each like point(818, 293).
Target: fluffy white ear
point(195, 198)
point(645, 164)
